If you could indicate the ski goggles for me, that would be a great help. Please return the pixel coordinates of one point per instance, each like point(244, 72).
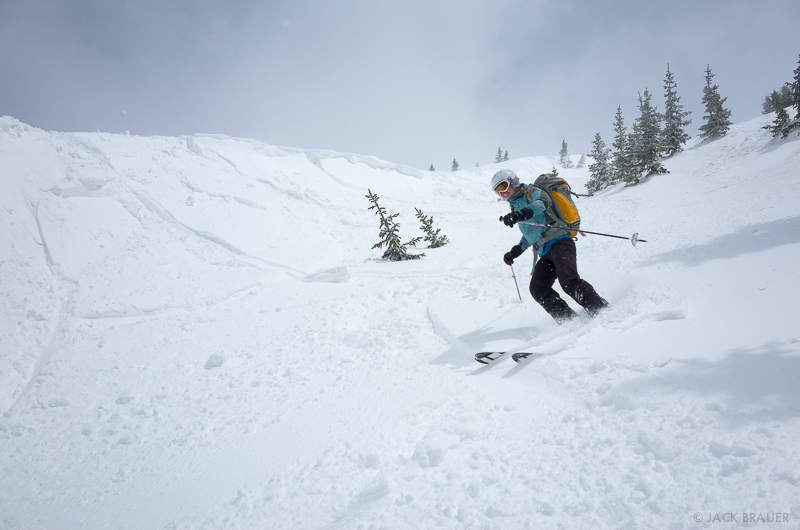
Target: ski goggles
point(503, 186)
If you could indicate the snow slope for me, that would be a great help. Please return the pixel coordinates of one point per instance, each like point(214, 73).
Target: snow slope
point(197, 334)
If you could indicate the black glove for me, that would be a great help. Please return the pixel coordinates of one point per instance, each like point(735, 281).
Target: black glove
point(515, 217)
point(511, 255)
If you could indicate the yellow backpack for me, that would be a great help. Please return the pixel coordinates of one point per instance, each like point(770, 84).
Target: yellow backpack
point(560, 211)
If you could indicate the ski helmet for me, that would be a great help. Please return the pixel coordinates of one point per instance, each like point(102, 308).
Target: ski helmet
point(505, 175)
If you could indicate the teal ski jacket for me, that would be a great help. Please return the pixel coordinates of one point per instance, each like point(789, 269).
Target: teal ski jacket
point(531, 233)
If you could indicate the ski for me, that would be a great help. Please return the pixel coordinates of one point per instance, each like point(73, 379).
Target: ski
point(521, 356)
point(487, 357)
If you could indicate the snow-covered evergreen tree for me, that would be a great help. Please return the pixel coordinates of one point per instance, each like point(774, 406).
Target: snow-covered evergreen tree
point(563, 155)
point(454, 167)
point(632, 144)
point(796, 93)
point(505, 157)
point(675, 136)
point(499, 156)
point(431, 236)
point(779, 99)
point(599, 171)
point(647, 145)
point(716, 116)
point(389, 234)
point(581, 162)
point(620, 156)
point(781, 125)
point(784, 124)
point(431, 168)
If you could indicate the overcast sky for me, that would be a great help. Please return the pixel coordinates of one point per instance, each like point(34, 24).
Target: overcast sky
point(409, 81)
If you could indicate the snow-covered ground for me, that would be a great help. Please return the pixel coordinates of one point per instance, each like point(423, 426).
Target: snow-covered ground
point(196, 333)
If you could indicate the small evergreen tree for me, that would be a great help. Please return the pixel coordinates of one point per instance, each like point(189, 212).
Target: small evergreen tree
point(431, 236)
point(499, 156)
point(632, 144)
point(717, 117)
point(395, 250)
point(796, 94)
point(505, 157)
point(620, 159)
point(600, 176)
point(454, 167)
point(647, 144)
point(674, 134)
point(783, 124)
point(581, 162)
point(778, 99)
point(431, 168)
point(563, 155)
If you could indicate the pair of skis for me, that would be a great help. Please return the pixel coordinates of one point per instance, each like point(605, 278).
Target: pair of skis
point(488, 357)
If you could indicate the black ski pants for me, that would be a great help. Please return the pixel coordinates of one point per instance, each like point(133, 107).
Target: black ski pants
point(561, 264)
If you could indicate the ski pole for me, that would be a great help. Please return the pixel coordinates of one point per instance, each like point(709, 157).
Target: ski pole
point(633, 239)
point(515, 282)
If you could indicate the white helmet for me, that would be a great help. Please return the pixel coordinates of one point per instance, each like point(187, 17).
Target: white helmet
point(505, 175)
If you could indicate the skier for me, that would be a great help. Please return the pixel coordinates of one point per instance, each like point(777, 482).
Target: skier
point(557, 258)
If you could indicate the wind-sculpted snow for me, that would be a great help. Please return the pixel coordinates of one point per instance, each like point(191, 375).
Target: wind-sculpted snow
point(197, 333)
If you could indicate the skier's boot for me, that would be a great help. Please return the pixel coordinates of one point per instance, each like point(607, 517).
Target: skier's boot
point(559, 310)
point(594, 304)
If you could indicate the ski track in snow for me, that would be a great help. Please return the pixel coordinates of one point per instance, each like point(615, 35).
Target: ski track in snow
point(196, 334)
